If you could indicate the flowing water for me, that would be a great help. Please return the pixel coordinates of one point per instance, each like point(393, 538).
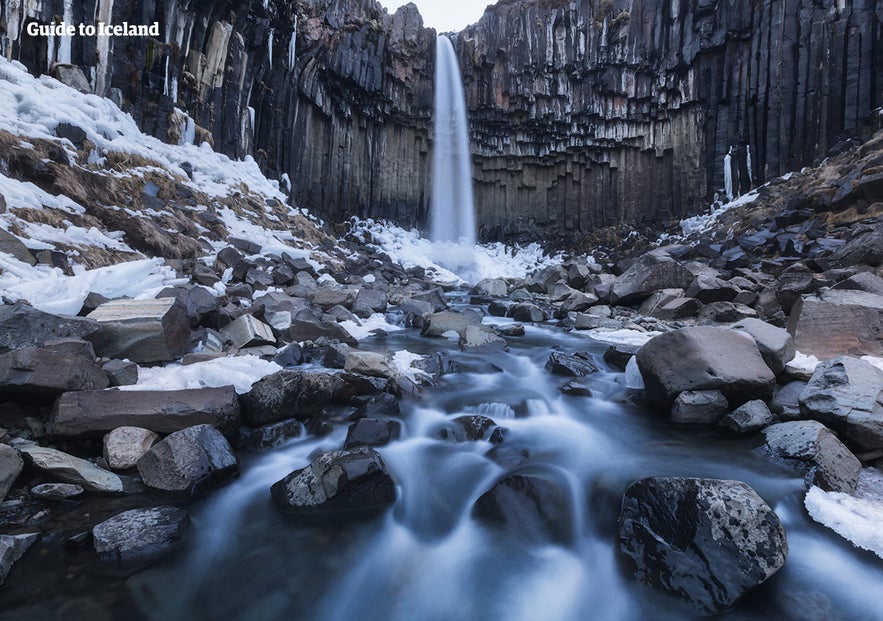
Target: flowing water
point(426, 557)
point(453, 212)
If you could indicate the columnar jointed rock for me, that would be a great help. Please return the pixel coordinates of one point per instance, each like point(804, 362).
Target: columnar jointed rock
point(46, 374)
point(93, 412)
point(814, 449)
point(704, 540)
point(189, 460)
point(704, 358)
point(337, 484)
point(70, 469)
point(142, 330)
point(838, 321)
point(140, 533)
point(11, 465)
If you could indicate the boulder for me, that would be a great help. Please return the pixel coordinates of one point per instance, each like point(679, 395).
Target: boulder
point(437, 324)
point(369, 301)
point(748, 417)
point(121, 372)
point(838, 321)
point(329, 295)
point(124, 446)
point(814, 450)
point(248, 332)
point(704, 358)
point(578, 364)
point(863, 281)
point(725, 312)
point(578, 302)
point(491, 287)
point(679, 308)
point(526, 312)
point(846, 394)
point(371, 363)
point(306, 330)
point(70, 469)
point(142, 330)
point(12, 245)
point(56, 491)
point(94, 411)
point(775, 344)
point(21, 325)
point(482, 339)
point(698, 407)
point(706, 541)
point(188, 461)
point(337, 484)
point(372, 432)
point(707, 288)
point(533, 508)
point(275, 434)
point(12, 548)
point(288, 394)
point(140, 533)
point(11, 465)
point(649, 273)
point(472, 428)
point(43, 373)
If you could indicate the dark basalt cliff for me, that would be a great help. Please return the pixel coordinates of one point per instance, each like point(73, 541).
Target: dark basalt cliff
point(583, 114)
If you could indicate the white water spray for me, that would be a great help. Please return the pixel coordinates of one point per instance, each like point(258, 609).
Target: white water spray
point(453, 212)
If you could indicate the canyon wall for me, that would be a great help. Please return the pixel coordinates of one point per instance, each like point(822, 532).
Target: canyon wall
point(583, 114)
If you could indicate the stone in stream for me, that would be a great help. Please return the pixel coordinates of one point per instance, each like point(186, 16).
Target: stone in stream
point(698, 407)
point(70, 469)
point(838, 321)
point(275, 434)
point(188, 461)
point(338, 484)
point(56, 491)
point(372, 432)
point(471, 428)
point(482, 339)
point(11, 466)
point(491, 287)
point(288, 394)
point(371, 363)
point(248, 332)
point(124, 446)
point(526, 312)
point(846, 394)
point(93, 412)
point(142, 330)
point(43, 373)
point(704, 358)
point(439, 323)
point(21, 325)
point(12, 548)
point(578, 364)
point(748, 417)
point(140, 533)
point(532, 508)
point(706, 541)
point(814, 450)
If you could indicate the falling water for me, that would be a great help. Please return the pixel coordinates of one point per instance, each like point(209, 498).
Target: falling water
point(453, 217)
point(728, 175)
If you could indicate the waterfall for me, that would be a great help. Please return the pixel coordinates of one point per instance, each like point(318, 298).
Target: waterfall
point(748, 164)
point(453, 216)
point(728, 175)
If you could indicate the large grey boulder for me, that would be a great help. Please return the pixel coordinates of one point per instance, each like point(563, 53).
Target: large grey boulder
point(706, 541)
point(94, 412)
point(775, 344)
point(651, 272)
point(846, 394)
point(140, 533)
point(491, 287)
point(11, 465)
point(813, 449)
point(189, 461)
point(12, 548)
point(124, 446)
point(22, 325)
point(704, 358)
point(43, 373)
point(142, 330)
point(838, 321)
point(288, 394)
point(69, 469)
point(337, 484)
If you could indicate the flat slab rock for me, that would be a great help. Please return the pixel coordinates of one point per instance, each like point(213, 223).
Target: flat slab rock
point(706, 541)
point(46, 373)
point(838, 321)
point(140, 533)
point(69, 469)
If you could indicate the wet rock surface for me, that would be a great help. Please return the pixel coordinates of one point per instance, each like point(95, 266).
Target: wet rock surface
point(140, 533)
point(189, 461)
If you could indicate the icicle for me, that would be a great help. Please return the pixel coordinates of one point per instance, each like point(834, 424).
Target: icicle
point(64, 44)
point(292, 46)
point(165, 87)
point(270, 46)
point(189, 135)
point(103, 13)
point(286, 183)
point(251, 117)
point(173, 89)
point(748, 163)
point(728, 175)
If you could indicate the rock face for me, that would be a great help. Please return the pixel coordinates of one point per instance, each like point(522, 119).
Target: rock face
point(97, 411)
point(704, 540)
point(140, 533)
point(632, 106)
point(188, 460)
point(142, 330)
point(337, 484)
point(836, 322)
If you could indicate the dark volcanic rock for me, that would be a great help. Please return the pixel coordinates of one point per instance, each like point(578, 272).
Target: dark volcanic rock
point(142, 330)
point(11, 465)
point(188, 461)
point(304, 330)
point(650, 273)
point(21, 325)
point(12, 548)
point(140, 533)
point(288, 394)
point(372, 432)
point(706, 541)
point(346, 483)
point(836, 322)
point(775, 344)
point(748, 417)
point(698, 407)
point(45, 374)
point(276, 434)
point(578, 364)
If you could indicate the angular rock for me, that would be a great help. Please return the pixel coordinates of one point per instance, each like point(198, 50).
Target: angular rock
point(70, 469)
point(56, 491)
point(708, 289)
point(94, 411)
point(846, 394)
point(706, 541)
point(863, 281)
point(725, 312)
point(491, 287)
point(21, 325)
point(775, 344)
point(338, 484)
point(578, 302)
point(188, 461)
point(287, 394)
point(275, 434)
point(121, 372)
point(372, 432)
point(814, 450)
point(532, 508)
point(578, 364)
point(369, 301)
point(371, 363)
point(482, 339)
point(302, 330)
point(248, 332)
point(679, 308)
point(124, 446)
point(748, 417)
point(12, 548)
point(704, 358)
point(142, 330)
point(46, 374)
point(619, 355)
point(11, 465)
point(140, 533)
point(651, 272)
point(526, 312)
point(12, 245)
point(437, 324)
point(698, 407)
point(836, 322)
point(327, 296)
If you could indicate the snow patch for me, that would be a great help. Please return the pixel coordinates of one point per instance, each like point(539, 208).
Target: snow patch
point(363, 330)
point(239, 371)
point(622, 336)
point(804, 362)
point(856, 518)
point(404, 361)
point(706, 222)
